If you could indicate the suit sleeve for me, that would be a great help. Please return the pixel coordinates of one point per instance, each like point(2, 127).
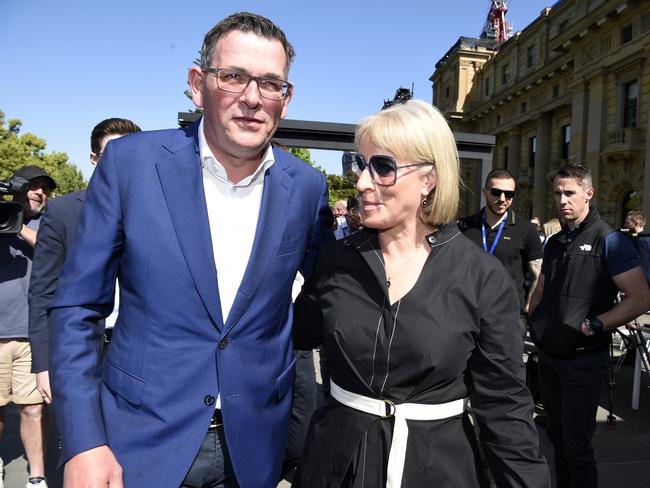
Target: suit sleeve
point(85, 296)
point(49, 256)
point(321, 230)
point(499, 397)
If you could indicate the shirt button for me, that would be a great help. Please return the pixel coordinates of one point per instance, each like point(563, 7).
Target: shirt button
point(223, 344)
point(208, 400)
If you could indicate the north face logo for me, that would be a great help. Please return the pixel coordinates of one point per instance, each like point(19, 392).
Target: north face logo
point(585, 247)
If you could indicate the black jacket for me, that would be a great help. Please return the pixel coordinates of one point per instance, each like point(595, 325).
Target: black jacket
point(576, 286)
point(455, 334)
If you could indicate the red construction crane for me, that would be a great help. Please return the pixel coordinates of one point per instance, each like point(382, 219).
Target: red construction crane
point(496, 26)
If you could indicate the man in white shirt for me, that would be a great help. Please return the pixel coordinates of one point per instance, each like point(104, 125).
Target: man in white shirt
point(196, 387)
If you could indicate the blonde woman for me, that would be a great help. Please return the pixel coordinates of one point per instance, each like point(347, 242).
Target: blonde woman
point(416, 321)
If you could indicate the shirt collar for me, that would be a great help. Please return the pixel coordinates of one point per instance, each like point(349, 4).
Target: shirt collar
point(216, 170)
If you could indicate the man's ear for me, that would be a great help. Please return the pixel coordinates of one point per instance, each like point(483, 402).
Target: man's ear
point(285, 102)
point(589, 194)
point(195, 80)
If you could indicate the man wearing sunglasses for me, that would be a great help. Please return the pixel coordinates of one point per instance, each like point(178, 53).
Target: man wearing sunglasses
point(195, 389)
point(511, 239)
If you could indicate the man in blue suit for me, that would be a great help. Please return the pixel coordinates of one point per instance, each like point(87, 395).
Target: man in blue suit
point(205, 227)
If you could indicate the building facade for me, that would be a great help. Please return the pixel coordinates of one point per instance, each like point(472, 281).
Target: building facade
point(572, 87)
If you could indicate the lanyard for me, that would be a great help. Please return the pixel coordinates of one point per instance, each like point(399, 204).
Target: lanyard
point(496, 239)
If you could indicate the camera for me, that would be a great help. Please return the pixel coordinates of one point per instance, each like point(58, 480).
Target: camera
point(11, 213)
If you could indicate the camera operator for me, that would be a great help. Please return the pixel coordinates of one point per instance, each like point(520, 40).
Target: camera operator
point(17, 384)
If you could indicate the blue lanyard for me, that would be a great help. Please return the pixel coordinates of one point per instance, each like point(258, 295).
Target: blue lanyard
point(496, 239)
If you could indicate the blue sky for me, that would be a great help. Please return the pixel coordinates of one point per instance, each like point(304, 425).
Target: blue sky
point(68, 64)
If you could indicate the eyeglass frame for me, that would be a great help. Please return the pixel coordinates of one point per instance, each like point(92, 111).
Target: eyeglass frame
point(496, 192)
point(354, 158)
point(286, 85)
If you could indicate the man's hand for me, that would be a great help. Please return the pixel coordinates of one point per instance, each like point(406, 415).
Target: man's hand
point(43, 386)
point(28, 235)
point(94, 468)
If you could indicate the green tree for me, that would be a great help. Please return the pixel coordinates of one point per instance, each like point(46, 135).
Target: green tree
point(17, 150)
point(340, 187)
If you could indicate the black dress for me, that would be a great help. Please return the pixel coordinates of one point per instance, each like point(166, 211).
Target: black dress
point(454, 335)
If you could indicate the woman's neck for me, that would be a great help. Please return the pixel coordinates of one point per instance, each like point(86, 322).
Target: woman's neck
point(404, 240)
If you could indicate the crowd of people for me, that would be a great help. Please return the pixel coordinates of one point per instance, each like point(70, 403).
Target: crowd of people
point(419, 317)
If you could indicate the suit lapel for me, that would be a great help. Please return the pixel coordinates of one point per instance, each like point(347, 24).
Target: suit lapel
point(182, 184)
point(268, 235)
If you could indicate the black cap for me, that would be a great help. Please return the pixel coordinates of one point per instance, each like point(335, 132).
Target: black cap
point(33, 172)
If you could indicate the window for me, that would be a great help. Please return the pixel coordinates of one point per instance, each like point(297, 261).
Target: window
point(565, 141)
point(626, 34)
point(564, 25)
point(532, 149)
point(447, 92)
point(556, 91)
point(530, 56)
point(498, 119)
point(630, 103)
point(487, 86)
point(505, 74)
point(524, 106)
point(505, 157)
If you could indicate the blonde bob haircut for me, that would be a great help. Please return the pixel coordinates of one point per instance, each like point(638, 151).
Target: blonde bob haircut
point(416, 132)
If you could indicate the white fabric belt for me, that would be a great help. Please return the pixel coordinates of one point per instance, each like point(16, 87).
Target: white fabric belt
point(402, 413)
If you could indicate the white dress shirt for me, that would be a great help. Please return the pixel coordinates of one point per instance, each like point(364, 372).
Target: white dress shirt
point(233, 212)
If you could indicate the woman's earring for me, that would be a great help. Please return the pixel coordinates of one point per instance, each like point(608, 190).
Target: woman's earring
point(425, 203)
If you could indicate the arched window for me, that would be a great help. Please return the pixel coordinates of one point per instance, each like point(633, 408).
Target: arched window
point(631, 201)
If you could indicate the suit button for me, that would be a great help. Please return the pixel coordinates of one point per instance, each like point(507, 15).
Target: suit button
point(223, 344)
point(208, 400)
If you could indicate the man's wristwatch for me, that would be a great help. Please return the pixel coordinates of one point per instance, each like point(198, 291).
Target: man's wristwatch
point(592, 326)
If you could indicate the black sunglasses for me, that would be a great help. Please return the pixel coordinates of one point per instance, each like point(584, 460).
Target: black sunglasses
point(496, 192)
point(383, 169)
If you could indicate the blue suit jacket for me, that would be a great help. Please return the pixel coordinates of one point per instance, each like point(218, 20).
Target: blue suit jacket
point(145, 220)
point(54, 241)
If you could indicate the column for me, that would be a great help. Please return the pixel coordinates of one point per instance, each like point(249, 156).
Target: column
point(579, 120)
point(595, 129)
point(541, 191)
point(514, 152)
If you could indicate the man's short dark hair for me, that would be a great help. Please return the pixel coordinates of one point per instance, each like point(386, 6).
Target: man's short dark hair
point(578, 172)
point(498, 174)
point(637, 217)
point(245, 22)
point(353, 203)
point(109, 127)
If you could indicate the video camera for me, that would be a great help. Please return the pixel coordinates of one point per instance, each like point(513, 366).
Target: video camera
point(11, 213)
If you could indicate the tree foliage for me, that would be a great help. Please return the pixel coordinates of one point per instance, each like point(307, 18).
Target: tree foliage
point(340, 187)
point(18, 150)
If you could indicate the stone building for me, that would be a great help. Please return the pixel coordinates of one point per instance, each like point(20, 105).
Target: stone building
point(573, 86)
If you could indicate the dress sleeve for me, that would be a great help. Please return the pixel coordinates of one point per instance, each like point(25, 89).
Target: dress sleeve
point(308, 316)
point(499, 398)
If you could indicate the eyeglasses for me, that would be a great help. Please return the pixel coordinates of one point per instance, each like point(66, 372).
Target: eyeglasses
point(496, 192)
point(234, 81)
point(383, 169)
